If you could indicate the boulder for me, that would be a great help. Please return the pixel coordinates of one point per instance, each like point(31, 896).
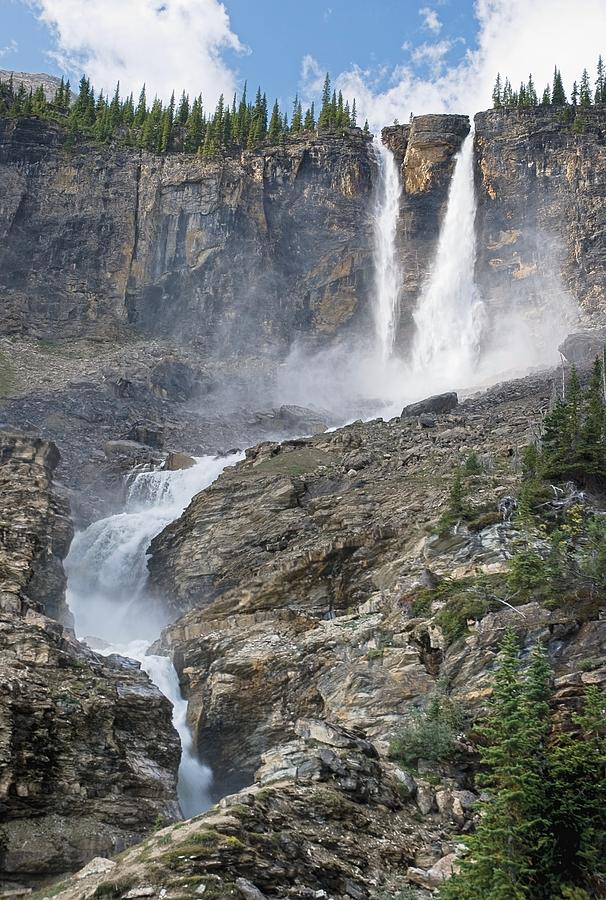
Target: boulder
point(438, 404)
point(581, 349)
point(149, 433)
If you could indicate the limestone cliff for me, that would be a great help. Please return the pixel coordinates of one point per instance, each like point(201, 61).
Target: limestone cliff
point(88, 755)
point(425, 152)
point(237, 252)
point(541, 210)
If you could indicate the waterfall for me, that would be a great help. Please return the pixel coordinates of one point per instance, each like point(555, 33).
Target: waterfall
point(449, 314)
point(387, 274)
point(106, 591)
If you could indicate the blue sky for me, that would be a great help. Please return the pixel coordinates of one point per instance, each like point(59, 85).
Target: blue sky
point(279, 34)
point(395, 56)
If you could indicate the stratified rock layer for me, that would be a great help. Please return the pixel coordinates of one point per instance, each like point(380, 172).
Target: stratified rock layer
point(302, 566)
point(238, 252)
point(541, 210)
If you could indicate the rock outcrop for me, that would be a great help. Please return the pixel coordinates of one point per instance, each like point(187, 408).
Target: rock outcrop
point(328, 606)
point(88, 755)
point(425, 152)
point(302, 566)
point(541, 207)
point(235, 252)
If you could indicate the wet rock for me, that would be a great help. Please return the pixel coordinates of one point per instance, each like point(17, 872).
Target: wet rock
point(149, 433)
point(439, 404)
point(581, 349)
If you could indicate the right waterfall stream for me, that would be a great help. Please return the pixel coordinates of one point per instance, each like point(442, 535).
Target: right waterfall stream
point(450, 314)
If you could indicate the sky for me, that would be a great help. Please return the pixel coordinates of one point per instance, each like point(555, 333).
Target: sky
point(394, 56)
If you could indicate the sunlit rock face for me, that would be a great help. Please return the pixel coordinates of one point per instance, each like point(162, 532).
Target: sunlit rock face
point(426, 153)
point(541, 181)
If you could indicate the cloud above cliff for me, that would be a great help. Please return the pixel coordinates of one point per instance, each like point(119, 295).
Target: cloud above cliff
point(168, 44)
point(513, 36)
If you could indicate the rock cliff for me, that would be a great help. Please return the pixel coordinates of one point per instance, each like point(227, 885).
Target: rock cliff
point(425, 152)
point(541, 211)
point(88, 755)
point(238, 252)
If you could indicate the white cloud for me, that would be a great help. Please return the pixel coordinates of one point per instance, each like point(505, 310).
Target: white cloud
point(168, 44)
point(431, 20)
point(432, 54)
point(572, 35)
point(11, 47)
point(312, 76)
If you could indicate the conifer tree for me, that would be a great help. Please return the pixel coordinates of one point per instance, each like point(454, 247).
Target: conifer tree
point(141, 111)
point(600, 85)
point(326, 109)
point(585, 90)
point(497, 93)
point(183, 110)
point(194, 129)
point(310, 119)
point(510, 853)
point(275, 125)
point(297, 116)
point(574, 97)
point(546, 99)
point(354, 114)
point(558, 94)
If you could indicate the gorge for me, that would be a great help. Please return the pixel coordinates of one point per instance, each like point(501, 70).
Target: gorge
point(209, 343)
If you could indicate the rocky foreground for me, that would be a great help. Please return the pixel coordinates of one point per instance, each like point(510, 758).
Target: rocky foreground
point(321, 595)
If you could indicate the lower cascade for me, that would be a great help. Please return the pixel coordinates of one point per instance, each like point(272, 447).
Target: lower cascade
point(106, 591)
point(449, 315)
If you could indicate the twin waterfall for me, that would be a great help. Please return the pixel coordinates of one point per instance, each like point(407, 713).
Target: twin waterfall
point(449, 312)
point(107, 563)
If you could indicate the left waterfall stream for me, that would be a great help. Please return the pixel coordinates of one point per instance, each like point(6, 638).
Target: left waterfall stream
point(107, 594)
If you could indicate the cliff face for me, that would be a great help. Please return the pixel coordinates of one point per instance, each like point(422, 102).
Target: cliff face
point(238, 251)
point(542, 210)
point(88, 755)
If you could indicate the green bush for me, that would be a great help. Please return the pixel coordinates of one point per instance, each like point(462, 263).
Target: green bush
point(473, 466)
point(453, 618)
point(429, 735)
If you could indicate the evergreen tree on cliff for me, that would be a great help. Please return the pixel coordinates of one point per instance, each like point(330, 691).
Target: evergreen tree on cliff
point(558, 94)
point(326, 109)
point(585, 90)
point(512, 837)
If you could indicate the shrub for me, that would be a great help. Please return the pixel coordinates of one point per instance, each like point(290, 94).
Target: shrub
point(429, 735)
point(473, 466)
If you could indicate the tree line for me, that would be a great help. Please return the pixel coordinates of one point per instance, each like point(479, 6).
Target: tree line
point(584, 93)
point(178, 126)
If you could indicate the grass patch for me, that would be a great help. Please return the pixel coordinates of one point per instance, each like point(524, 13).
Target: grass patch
point(295, 462)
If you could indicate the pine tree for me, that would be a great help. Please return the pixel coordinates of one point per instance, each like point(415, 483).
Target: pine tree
point(141, 111)
point(354, 114)
point(510, 853)
point(585, 90)
point(194, 129)
point(574, 97)
point(546, 98)
point(497, 93)
point(275, 125)
point(577, 776)
point(326, 109)
point(183, 110)
point(297, 116)
point(532, 92)
point(600, 85)
point(558, 94)
point(310, 119)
